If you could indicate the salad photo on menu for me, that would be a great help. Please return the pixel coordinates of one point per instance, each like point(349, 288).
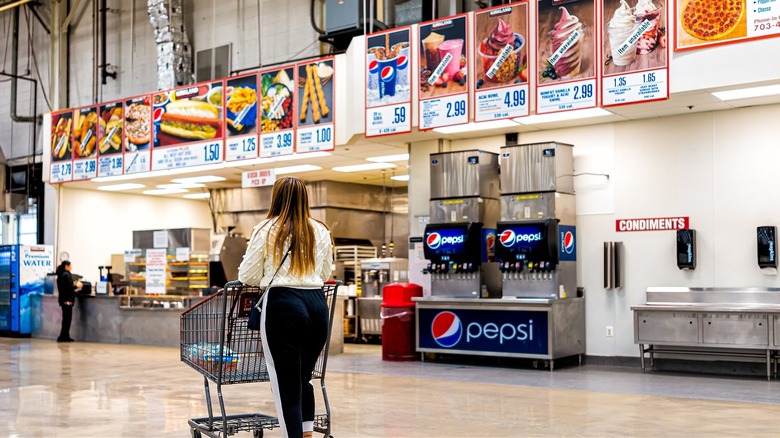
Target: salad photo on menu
point(566, 41)
point(623, 20)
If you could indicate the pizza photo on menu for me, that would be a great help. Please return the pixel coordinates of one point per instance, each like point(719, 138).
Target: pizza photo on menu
point(707, 21)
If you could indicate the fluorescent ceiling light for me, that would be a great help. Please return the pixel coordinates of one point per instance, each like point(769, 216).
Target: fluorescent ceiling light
point(472, 127)
point(296, 169)
point(197, 195)
point(181, 186)
point(400, 177)
point(564, 116)
point(164, 191)
point(746, 93)
point(389, 158)
point(117, 187)
point(198, 179)
point(359, 167)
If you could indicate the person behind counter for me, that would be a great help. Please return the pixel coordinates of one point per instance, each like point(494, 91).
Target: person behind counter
point(66, 286)
point(294, 310)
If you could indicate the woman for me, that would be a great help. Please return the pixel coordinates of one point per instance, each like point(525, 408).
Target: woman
point(66, 286)
point(294, 310)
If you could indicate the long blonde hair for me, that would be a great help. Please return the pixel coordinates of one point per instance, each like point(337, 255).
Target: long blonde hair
point(290, 209)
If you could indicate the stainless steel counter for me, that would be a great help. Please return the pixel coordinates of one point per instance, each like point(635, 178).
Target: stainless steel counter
point(709, 321)
point(546, 329)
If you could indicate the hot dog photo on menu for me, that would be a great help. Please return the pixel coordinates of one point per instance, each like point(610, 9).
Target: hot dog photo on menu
point(188, 114)
point(566, 47)
point(61, 127)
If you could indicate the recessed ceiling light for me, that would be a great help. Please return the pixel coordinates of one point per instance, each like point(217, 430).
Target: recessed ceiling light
point(164, 191)
point(296, 169)
point(389, 158)
point(367, 166)
point(472, 127)
point(117, 187)
point(199, 179)
point(747, 93)
point(198, 195)
point(564, 116)
point(181, 186)
point(400, 177)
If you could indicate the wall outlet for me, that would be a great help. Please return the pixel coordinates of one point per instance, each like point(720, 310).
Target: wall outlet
point(610, 331)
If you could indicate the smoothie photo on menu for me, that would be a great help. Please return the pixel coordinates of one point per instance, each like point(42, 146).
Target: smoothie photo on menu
point(619, 30)
point(500, 53)
point(443, 58)
point(566, 47)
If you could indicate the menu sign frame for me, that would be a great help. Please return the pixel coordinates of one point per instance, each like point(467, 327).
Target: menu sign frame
point(189, 126)
point(500, 62)
point(241, 116)
point(443, 90)
point(84, 147)
point(279, 93)
point(635, 54)
point(388, 73)
point(566, 54)
point(758, 20)
point(110, 138)
point(61, 168)
point(137, 133)
point(318, 132)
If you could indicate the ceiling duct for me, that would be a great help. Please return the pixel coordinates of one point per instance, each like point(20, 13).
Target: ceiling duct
point(174, 54)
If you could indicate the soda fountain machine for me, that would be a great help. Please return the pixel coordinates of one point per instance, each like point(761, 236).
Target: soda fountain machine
point(460, 236)
point(536, 234)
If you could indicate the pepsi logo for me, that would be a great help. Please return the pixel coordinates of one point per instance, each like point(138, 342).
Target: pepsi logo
point(568, 242)
point(373, 66)
point(157, 115)
point(507, 238)
point(433, 241)
point(402, 62)
point(446, 329)
point(387, 74)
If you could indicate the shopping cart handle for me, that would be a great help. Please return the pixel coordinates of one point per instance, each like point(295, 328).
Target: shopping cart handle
point(233, 284)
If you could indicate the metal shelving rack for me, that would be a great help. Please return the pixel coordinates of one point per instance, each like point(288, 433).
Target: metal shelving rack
point(351, 256)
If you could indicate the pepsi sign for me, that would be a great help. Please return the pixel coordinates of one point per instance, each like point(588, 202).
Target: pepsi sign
point(446, 241)
point(518, 332)
point(568, 242)
point(528, 240)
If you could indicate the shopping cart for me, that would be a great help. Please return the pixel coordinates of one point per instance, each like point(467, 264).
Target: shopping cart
point(216, 342)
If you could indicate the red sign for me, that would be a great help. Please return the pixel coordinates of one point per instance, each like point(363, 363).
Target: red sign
point(653, 224)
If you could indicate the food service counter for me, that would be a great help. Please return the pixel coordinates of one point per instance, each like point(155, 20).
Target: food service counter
point(101, 319)
point(736, 322)
point(546, 329)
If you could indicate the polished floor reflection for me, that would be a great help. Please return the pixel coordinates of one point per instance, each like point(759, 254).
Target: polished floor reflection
point(105, 390)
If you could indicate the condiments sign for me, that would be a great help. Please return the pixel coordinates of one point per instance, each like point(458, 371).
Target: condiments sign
point(653, 224)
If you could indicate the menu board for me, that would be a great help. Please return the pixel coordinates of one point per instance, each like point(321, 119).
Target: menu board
point(703, 23)
point(278, 111)
point(85, 122)
point(109, 139)
point(566, 55)
point(61, 164)
point(241, 117)
point(388, 90)
point(188, 126)
point(315, 106)
point(443, 80)
point(634, 52)
point(138, 134)
point(501, 63)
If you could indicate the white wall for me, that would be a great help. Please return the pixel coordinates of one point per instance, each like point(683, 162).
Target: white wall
point(93, 225)
point(718, 168)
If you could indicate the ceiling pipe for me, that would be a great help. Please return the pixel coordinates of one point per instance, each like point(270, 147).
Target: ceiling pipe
point(14, 70)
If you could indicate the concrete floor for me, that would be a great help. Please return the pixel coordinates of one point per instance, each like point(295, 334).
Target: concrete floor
point(106, 390)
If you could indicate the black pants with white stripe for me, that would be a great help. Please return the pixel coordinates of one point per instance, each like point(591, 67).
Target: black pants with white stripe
point(296, 328)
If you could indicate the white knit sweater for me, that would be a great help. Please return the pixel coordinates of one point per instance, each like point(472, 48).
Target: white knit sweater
point(258, 266)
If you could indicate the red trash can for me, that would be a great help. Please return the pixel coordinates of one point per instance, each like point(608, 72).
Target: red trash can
point(398, 321)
